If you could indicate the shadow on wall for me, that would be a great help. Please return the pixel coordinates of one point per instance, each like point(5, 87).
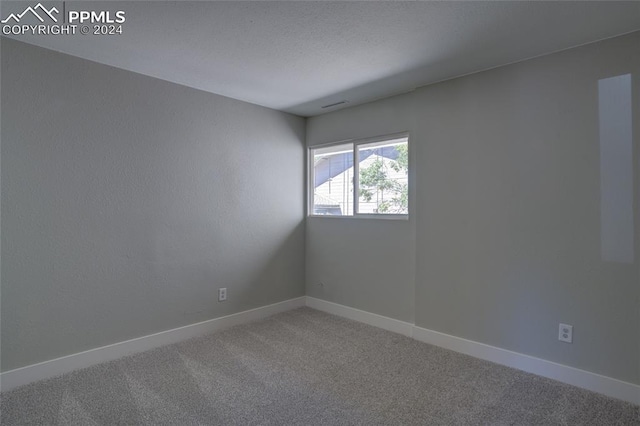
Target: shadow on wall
point(280, 272)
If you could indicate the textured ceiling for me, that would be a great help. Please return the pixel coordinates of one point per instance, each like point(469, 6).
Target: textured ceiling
point(299, 56)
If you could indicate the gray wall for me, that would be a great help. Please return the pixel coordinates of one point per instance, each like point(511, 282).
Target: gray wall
point(507, 213)
point(368, 264)
point(127, 201)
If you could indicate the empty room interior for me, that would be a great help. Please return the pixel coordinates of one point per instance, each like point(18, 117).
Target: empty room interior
point(320, 213)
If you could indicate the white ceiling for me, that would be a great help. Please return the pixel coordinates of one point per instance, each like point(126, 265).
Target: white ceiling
point(299, 56)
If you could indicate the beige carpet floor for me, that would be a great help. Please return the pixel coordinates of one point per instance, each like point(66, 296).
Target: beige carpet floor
point(305, 367)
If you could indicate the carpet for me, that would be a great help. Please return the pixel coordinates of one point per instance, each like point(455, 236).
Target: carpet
point(306, 367)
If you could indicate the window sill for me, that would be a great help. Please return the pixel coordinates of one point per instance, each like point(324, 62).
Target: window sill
point(364, 216)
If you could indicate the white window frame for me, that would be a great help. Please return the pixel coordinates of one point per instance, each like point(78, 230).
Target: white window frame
point(356, 176)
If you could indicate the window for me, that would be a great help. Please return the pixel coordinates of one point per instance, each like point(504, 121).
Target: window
point(367, 178)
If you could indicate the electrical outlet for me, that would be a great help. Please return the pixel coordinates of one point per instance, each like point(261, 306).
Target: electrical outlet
point(565, 333)
point(222, 294)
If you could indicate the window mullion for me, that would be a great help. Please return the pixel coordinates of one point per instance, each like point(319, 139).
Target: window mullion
point(356, 178)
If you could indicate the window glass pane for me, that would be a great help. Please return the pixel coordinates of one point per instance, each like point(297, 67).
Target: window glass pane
point(383, 177)
point(333, 180)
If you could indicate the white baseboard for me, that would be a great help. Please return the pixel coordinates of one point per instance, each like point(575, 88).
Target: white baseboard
point(563, 373)
point(584, 379)
point(55, 367)
point(376, 320)
point(581, 378)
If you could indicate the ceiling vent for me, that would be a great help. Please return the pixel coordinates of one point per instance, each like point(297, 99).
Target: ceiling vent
point(335, 104)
